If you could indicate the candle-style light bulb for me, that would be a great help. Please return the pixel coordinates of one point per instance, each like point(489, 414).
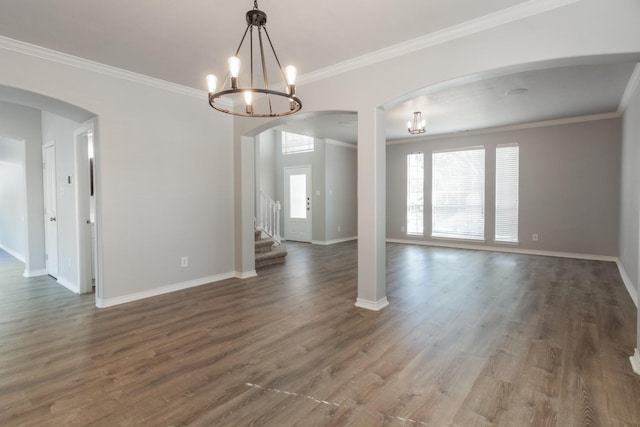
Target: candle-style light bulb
point(291, 73)
point(234, 70)
point(212, 82)
point(248, 99)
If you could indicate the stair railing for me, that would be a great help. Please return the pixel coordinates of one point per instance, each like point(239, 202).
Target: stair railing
point(269, 217)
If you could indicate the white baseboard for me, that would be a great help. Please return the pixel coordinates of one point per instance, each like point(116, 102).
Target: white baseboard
point(67, 284)
point(372, 305)
point(103, 303)
point(513, 250)
point(635, 361)
point(20, 257)
point(333, 242)
point(34, 273)
point(245, 274)
point(631, 288)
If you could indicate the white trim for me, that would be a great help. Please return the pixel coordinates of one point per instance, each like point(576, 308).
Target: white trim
point(245, 274)
point(628, 283)
point(509, 128)
point(35, 273)
point(477, 25)
point(103, 303)
point(67, 284)
point(505, 249)
point(372, 305)
point(632, 85)
point(635, 361)
point(96, 67)
point(16, 255)
point(334, 241)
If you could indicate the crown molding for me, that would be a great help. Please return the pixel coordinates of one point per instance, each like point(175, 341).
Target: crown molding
point(97, 67)
point(632, 85)
point(520, 126)
point(483, 23)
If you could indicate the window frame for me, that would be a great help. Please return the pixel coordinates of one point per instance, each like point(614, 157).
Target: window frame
point(512, 238)
point(413, 202)
point(295, 143)
point(479, 196)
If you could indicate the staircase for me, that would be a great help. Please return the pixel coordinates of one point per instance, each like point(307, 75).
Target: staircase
point(267, 252)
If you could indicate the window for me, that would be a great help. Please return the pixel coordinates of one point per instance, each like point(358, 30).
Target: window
point(415, 193)
point(507, 179)
point(294, 143)
point(458, 194)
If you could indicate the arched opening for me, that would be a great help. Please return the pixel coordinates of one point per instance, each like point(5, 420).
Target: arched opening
point(318, 149)
point(60, 179)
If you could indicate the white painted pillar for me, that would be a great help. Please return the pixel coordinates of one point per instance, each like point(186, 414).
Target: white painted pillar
point(372, 285)
point(244, 207)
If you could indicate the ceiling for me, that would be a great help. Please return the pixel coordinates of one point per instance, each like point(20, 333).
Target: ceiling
point(182, 41)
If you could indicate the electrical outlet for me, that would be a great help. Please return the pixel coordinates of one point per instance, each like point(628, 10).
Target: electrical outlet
point(535, 237)
point(184, 261)
point(339, 228)
point(402, 229)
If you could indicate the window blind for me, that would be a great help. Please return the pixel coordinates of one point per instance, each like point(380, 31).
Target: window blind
point(415, 193)
point(294, 143)
point(458, 194)
point(507, 183)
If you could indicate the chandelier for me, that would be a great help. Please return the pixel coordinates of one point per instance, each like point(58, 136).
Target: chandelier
point(417, 125)
point(255, 100)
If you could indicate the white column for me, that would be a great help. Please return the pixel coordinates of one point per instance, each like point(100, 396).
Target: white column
point(372, 286)
point(244, 207)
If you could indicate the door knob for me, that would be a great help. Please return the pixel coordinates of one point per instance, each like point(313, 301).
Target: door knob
point(52, 219)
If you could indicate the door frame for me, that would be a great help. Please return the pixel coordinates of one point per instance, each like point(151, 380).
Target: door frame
point(85, 252)
point(53, 188)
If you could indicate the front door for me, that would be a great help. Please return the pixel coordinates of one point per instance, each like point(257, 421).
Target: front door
point(50, 214)
point(297, 206)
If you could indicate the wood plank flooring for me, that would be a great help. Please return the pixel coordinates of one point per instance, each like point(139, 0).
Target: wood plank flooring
point(470, 339)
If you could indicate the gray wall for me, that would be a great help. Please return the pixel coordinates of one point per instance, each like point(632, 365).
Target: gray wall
point(569, 185)
point(24, 123)
point(59, 130)
point(341, 191)
point(13, 198)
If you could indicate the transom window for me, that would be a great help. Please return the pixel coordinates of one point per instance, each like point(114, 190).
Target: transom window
point(295, 143)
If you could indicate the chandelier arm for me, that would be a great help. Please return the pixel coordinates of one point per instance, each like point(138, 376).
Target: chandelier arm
point(242, 39)
point(264, 68)
point(251, 52)
point(275, 55)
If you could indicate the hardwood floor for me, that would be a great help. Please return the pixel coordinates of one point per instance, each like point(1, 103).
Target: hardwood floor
point(470, 339)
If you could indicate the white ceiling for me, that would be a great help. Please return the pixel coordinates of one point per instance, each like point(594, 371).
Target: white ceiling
point(182, 41)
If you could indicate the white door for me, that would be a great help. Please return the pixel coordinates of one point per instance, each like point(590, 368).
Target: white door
point(297, 205)
point(50, 215)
